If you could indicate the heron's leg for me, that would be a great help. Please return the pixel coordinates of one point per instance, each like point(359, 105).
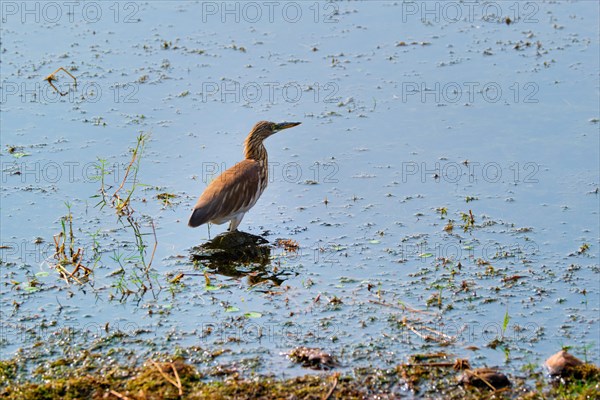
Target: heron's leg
point(235, 222)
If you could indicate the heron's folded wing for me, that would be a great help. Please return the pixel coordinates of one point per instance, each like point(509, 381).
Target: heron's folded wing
point(229, 193)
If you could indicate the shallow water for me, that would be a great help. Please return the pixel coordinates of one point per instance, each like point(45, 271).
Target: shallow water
point(380, 119)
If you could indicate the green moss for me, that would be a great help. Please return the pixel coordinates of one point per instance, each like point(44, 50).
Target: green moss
point(583, 384)
point(91, 377)
point(8, 372)
point(149, 384)
point(586, 372)
point(74, 388)
point(306, 387)
point(151, 381)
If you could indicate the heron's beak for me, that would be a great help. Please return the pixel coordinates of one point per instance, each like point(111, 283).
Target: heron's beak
point(285, 125)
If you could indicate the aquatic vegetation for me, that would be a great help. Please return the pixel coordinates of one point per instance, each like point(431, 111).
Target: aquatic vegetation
point(65, 254)
point(430, 375)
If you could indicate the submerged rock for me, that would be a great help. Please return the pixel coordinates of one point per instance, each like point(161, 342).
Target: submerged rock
point(484, 378)
point(237, 255)
point(232, 248)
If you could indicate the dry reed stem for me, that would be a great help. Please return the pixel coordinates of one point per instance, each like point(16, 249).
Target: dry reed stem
point(335, 382)
point(119, 395)
point(171, 381)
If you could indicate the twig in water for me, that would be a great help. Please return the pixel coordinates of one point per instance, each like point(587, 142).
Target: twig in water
point(154, 248)
point(402, 307)
point(482, 379)
point(436, 337)
point(51, 78)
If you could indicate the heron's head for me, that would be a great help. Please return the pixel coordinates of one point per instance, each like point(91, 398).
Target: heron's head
point(264, 129)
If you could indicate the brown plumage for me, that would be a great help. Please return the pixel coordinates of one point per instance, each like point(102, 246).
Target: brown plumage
point(230, 195)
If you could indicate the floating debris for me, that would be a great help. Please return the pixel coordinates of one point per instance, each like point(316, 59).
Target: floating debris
point(289, 245)
point(166, 198)
point(313, 358)
point(458, 364)
point(414, 43)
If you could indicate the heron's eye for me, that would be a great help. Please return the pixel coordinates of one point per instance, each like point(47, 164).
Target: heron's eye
point(273, 127)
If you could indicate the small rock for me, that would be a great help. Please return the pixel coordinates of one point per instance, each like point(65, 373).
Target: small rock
point(484, 378)
point(562, 364)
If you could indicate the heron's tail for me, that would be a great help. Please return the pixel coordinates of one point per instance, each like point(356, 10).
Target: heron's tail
point(199, 216)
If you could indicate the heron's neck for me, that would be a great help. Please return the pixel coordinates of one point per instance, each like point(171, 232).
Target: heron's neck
point(255, 150)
